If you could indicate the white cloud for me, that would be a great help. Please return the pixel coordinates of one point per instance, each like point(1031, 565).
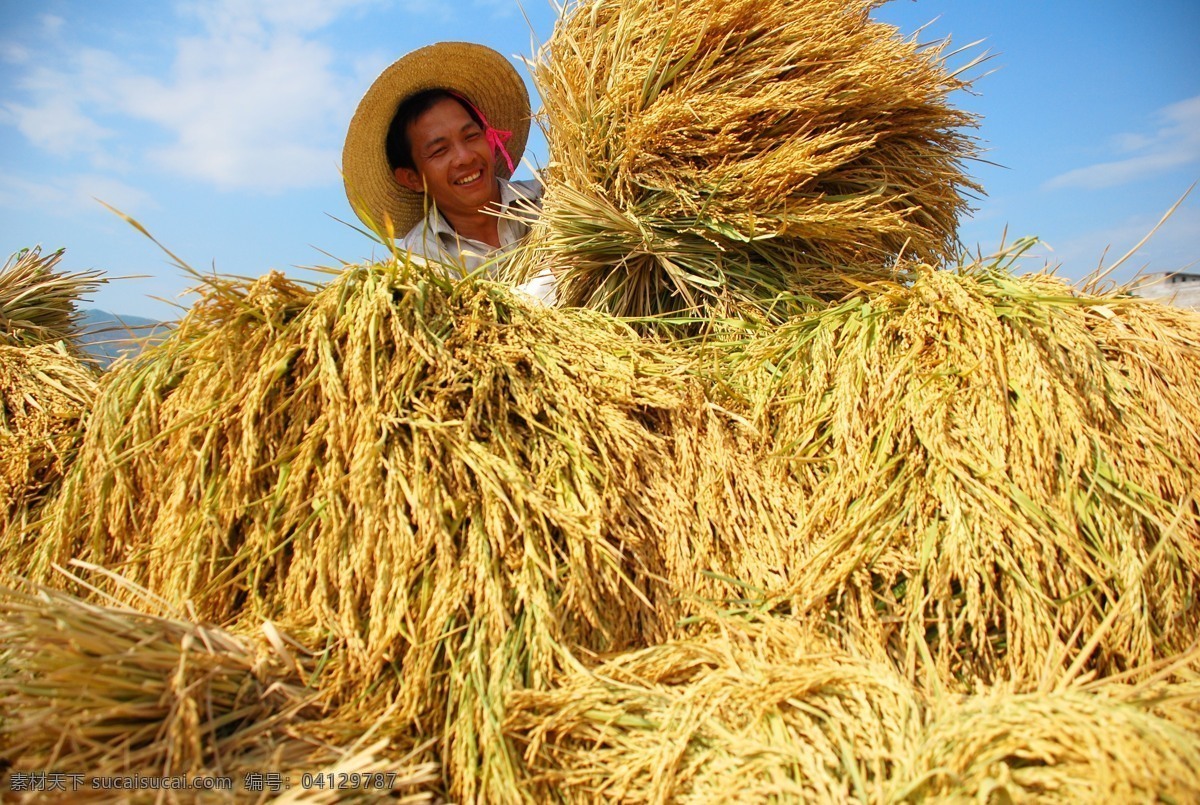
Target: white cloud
point(57, 125)
point(228, 17)
point(253, 101)
point(1174, 144)
point(250, 113)
point(62, 117)
point(51, 23)
point(13, 53)
point(70, 195)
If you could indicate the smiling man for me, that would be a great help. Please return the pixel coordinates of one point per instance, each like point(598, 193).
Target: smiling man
point(431, 148)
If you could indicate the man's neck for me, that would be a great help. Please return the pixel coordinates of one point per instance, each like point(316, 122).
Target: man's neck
point(480, 225)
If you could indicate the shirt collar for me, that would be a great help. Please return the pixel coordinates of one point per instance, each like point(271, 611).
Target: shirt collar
point(510, 194)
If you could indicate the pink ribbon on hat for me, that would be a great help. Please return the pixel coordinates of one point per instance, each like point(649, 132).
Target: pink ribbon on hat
point(496, 138)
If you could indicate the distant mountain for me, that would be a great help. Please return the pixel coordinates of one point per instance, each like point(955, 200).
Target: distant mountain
point(106, 336)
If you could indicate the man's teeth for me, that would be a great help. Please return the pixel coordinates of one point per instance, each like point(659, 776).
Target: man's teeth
point(471, 178)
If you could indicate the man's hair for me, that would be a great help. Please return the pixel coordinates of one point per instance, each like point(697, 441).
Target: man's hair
point(398, 145)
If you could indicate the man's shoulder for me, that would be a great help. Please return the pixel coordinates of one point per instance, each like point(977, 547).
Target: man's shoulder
point(527, 189)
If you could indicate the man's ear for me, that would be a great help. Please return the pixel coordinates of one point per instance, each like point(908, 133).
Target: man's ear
point(407, 177)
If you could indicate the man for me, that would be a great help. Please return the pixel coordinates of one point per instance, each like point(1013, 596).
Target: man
point(431, 148)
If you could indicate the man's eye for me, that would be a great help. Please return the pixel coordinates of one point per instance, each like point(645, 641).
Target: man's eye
point(437, 153)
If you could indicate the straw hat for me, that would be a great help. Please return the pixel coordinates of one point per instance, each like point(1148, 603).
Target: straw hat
point(476, 72)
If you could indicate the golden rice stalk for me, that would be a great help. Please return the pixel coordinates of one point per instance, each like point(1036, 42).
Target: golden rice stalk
point(45, 391)
point(759, 711)
point(710, 156)
point(102, 691)
point(38, 304)
point(437, 482)
point(1112, 743)
point(1153, 347)
point(988, 465)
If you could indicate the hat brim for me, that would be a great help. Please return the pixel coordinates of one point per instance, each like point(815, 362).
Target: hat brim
point(476, 72)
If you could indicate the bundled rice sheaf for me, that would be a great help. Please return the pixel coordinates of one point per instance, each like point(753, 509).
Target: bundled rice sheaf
point(107, 691)
point(989, 465)
point(437, 483)
point(45, 388)
point(755, 711)
point(45, 392)
point(709, 157)
point(773, 709)
point(1107, 742)
point(39, 302)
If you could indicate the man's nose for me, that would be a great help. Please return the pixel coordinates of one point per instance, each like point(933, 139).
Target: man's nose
point(461, 153)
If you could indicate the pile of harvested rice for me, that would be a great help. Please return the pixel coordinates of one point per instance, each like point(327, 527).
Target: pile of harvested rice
point(437, 482)
point(448, 491)
point(988, 465)
point(500, 528)
point(100, 692)
point(708, 157)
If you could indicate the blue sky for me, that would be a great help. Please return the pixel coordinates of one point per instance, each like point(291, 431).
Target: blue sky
point(218, 124)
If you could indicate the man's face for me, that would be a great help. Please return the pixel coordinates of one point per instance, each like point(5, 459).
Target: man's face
point(454, 161)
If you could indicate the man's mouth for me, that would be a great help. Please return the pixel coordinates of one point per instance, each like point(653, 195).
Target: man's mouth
point(468, 179)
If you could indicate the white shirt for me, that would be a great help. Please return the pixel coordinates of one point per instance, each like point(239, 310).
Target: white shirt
point(435, 240)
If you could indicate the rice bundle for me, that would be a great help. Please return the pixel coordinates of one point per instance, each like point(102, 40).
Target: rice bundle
point(44, 393)
point(1105, 743)
point(1153, 347)
point(97, 691)
point(438, 483)
point(45, 389)
point(761, 711)
point(990, 465)
point(772, 709)
point(710, 157)
point(38, 302)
